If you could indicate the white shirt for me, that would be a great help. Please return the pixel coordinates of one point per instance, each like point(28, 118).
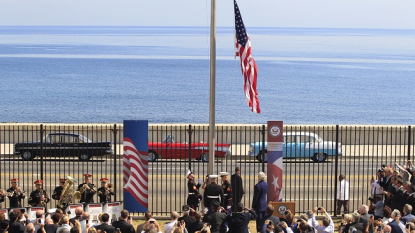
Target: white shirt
point(323, 229)
point(376, 188)
point(343, 191)
point(169, 226)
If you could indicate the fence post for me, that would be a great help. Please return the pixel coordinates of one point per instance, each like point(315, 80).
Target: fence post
point(336, 170)
point(190, 147)
point(263, 149)
point(41, 151)
point(409, 143)
point(115, 161)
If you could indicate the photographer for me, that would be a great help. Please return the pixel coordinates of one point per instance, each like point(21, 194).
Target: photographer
point(327, 225)
point(151, 224)
point(378, 206)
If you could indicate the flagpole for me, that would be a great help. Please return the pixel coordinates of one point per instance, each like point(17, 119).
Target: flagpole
point(212, 87)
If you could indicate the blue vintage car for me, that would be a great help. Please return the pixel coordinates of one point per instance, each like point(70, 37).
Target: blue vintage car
point(299, 145)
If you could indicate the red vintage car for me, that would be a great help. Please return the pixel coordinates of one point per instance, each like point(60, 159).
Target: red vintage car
point(169, 149)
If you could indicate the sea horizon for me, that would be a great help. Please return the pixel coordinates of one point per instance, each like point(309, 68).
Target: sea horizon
point(101, 74)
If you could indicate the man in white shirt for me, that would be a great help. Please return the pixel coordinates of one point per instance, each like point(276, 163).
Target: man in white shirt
point(169, 226)
point(342, 195)
point(328, 224)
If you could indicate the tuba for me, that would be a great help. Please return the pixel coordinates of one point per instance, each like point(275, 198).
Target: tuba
point(68, 193)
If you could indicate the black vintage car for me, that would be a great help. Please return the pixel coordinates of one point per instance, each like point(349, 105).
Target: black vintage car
point(63, 145)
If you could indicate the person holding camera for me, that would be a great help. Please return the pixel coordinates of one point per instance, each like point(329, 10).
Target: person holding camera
point(124, 222)
point(239, 221)
point(105, 226)
point(327, 225)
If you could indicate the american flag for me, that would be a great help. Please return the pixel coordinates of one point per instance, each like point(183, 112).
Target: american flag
point(248, 64)
point(135, 165)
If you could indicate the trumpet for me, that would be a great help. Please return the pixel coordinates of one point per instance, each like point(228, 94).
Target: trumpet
point(109, 189)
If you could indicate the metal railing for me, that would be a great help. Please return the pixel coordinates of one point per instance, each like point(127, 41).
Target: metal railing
point(363, 150)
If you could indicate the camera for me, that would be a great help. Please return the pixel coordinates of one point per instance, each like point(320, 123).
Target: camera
point(179, 224)
point(39, 220)
point(379, 228)
point(370, 199)
point(342, 215)
point(22, 211)
point(286, 212)
point(319, 208)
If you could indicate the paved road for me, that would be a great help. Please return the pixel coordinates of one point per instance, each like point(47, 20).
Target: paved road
point(308, 184)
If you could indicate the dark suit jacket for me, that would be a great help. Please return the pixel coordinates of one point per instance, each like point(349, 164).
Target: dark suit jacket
point(125, 227)
point(357, 225)
point(259, 202)
point(16, 227)
point(216, 220)
point(364, 219)
point(105, 227)
point(194, 226)
point(407, 218)
point(213, 190)
point(395, 227)
point(237, 188)
point(239, 222)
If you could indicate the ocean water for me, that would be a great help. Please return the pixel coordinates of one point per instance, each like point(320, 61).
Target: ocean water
point(108, 74)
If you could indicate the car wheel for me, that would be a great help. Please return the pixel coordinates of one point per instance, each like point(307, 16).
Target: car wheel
point(152, 156)
point(84, 157)
point(319, 157)
point(259, 157)
point(28, 155)
point(204, 157)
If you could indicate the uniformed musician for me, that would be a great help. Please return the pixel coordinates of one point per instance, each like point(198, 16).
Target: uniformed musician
point(213, 193)
point(194, 197)
point(39, 197)
point(227, 190)
point(15, 194)
point(2, 196)
point(57, 192)
point(87, 190)
point(105, 192)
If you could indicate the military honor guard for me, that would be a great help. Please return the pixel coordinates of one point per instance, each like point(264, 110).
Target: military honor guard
point(15, 194)
point(213, 194)
point(87, 190)
point(194, 197)
point(227, 191)
point(105, 191)
point(39, 197)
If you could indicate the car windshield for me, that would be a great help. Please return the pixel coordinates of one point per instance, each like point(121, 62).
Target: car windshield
point(168, 139)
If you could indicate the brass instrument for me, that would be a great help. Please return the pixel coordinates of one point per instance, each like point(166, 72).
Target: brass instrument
point(82, 191)
point(68, 193)
point(109, 189)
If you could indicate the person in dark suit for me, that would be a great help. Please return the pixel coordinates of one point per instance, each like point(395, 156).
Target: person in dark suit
point(364, 215)
point(213, 193)
point(14, 225)
point(410, 198)
point(269, 216)
point(125, 223)
point(354, 224)
point(259, 202)
point(197, 225)
point(105, 226)
point(407, 217)
point(216, 219)
point(239, 221)
point(396, 215)
point(237, 188)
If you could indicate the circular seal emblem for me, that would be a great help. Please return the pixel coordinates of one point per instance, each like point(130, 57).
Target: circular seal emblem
point(275, 131)
point(281, 209)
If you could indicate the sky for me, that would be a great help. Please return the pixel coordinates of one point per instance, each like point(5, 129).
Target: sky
point(396, 14)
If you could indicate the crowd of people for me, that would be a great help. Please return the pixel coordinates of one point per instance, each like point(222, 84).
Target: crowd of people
point(390, 209)
point(59, 222)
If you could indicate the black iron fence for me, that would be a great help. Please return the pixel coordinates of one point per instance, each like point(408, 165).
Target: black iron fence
point(315, 156)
